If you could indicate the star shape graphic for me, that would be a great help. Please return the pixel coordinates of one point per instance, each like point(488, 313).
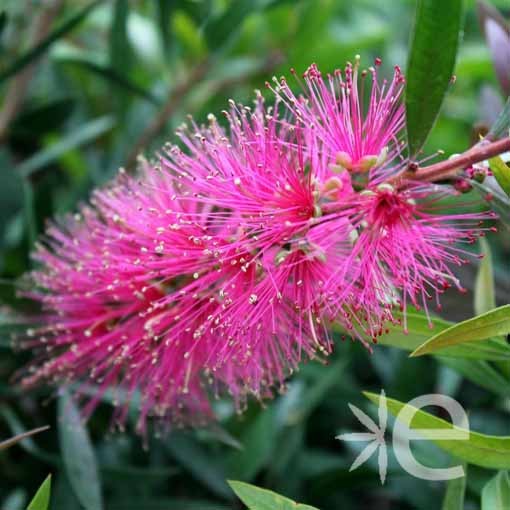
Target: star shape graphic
point(375, 436)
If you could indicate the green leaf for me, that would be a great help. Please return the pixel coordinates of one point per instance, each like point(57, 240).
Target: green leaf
point(490, 324)
point(480, 372)
point(78, 455)
point(484, 294)
point(121, 55)
point(256, 498)
point(258, 443)
point(224, 28)
point(29, 211)
point(80, 136)
point(496, 198)
point(455, 492)
point(41, 500)
point(56, 34)
point(164, 13)
point(20, 437)
point(430, 66)
point(419, 330)
point(496, 493)
point(483, 450)
point(501, 172)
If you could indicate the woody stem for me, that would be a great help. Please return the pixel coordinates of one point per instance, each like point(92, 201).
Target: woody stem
point(451, 167)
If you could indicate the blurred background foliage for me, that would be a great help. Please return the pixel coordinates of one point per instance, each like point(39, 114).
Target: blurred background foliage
point(114, 80)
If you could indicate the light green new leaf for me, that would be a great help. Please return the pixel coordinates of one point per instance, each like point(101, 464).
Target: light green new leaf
point(430, 65)
point(78, 455)
point(455, 492)
point(496, 493)
point(41, 500)
point(490, 324)
point(501, 172)
point(419, 330)
point(485, 295)
point(491, 452)
point(256, 498)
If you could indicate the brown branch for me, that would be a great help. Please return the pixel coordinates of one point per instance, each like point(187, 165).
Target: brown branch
point(453, 166)
point(18, 87)
point(16, 439)
point(181, 90)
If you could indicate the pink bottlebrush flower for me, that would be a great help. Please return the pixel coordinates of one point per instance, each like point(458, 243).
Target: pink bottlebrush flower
point(406, 248)
point(331, 110)
point(263, 186)
point(121, 302)
point(405, 245)
point(197, 277)
point(220, 268)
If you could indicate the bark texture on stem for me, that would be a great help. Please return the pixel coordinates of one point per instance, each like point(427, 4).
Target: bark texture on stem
point(451, 167)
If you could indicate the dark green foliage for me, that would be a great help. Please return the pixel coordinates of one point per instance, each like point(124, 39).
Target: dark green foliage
point(102, 76)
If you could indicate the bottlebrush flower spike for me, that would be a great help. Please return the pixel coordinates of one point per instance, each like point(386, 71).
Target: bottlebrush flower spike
point(220, 268)
point(331, 110)
point(197, 277)
point(405, 243)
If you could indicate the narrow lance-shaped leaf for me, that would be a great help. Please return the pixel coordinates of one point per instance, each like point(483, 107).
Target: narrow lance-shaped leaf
point(121, 55)
point(78, 455)
point(490, 324)
point(484, 295)
point(256, 498)
point(496, 492)
point(41, 500)
point(431, 63)
point(164, 13)
point(56, 34)
point(419, 330)
point(501, 172)
point(455, 493)
point(479, 372)
point(496, 198)
point(483, 450)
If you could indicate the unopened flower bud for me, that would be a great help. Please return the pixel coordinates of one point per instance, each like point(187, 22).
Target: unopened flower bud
point(462, 185)
point(343, 159)
point(366, 163)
